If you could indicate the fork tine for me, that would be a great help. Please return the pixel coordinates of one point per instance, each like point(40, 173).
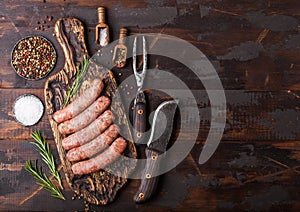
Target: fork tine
point(144, 55)
point(134, 56)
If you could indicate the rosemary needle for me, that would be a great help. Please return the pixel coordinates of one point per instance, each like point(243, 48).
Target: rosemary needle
point(81, 71)
point(43, 180)
point(46, 154)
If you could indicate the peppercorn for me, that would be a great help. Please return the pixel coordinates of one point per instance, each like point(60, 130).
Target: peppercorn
point(33, 57)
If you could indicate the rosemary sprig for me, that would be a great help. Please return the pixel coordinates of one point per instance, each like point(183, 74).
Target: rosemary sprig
point(81, 71)
point(46, 154)
point(43, 180)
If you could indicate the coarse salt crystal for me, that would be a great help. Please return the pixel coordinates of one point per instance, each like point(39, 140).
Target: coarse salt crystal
point(28, 109)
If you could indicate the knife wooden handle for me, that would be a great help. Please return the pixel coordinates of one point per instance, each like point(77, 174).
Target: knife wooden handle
point(148, 183)
point(139, 118)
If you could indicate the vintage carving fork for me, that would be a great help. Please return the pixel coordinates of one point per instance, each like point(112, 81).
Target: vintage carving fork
point(139, 115)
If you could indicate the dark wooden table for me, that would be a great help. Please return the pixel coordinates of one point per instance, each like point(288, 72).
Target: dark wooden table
point(255, 48)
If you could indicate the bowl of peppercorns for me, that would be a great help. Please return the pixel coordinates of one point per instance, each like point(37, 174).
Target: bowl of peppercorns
point(33, 57)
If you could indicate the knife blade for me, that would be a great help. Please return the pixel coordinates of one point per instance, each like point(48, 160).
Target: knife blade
point(161, 131)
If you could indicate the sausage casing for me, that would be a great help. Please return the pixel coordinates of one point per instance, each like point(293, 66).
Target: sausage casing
point(90, 132)
point(80, 103)
point(95, 146)
point(86, 117)
point(101, 160)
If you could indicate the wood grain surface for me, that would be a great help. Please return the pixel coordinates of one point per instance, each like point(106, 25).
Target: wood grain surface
point(255, 48)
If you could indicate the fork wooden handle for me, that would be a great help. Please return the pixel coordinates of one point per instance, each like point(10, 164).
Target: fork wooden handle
point(139, 118)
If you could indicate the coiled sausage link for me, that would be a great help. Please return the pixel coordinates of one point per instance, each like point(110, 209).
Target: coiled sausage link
point(101, 160)
point(90, 132)
point(80, 103)
point(95, 146)
point(86, 117)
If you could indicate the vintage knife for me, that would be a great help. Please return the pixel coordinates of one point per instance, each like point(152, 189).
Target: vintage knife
point(161, 131)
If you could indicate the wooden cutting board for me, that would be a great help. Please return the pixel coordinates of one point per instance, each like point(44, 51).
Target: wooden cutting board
point(99, 187)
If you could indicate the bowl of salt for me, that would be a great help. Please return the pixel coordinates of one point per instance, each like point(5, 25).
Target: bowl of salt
point(28, 109)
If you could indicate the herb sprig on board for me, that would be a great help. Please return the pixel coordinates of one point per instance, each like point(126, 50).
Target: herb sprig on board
point(81, 71)
point(37, 172)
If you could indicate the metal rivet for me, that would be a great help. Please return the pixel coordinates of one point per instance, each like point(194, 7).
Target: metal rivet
point(140, 111)
point(139, 134)
point(141, 195)
point(148, 176)
point(154, 157)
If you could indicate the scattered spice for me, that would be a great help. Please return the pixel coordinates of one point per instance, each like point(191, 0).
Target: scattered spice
point(28, 109)
point(47, 18)
point(33, 57)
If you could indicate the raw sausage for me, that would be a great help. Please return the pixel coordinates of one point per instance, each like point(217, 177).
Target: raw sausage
point(102, 160)
point(81, 103)
point(95, 146)
point(86, 117)
point(90, 132)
